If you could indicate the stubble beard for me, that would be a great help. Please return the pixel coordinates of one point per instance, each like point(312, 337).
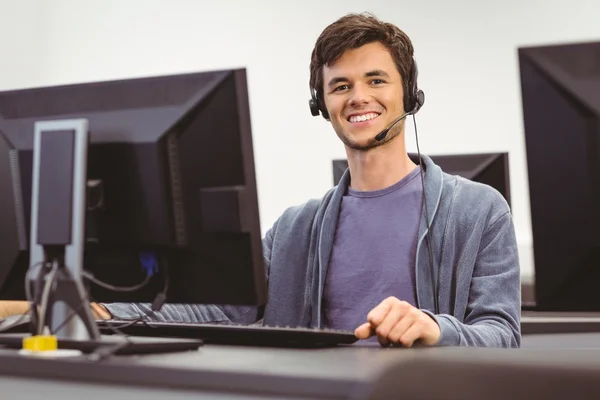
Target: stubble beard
point(371, 143)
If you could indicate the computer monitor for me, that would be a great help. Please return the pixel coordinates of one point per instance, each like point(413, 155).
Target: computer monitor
point(488, 168)
point(170, 172)
point(560, 88)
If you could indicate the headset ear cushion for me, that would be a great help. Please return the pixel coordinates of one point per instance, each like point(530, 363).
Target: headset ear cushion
point(314, 107)
point(420, 98)
point(419, 101)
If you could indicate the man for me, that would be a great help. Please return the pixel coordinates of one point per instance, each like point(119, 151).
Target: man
point(399, 252)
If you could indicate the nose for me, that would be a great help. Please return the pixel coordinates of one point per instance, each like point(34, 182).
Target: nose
point(359, 96)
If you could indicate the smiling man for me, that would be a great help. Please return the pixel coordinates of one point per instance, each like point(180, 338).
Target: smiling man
point(417, 255)
point(399, 251)
point(360, 88)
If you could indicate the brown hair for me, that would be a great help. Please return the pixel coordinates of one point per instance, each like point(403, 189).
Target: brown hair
point(353, 31)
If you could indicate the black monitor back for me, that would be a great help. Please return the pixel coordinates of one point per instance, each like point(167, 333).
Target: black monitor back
point(561, 108)
point(174, 159)
point(488, 168)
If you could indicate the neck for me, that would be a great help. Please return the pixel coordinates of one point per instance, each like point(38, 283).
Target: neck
point(379, 167)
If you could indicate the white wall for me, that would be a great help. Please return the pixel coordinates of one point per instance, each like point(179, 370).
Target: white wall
point(19, 43)
point(466, 51)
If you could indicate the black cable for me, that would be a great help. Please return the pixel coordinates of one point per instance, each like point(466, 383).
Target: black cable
point(16, 323)
point(158, 301)
point(161, 298)
point(434, 283)
point(141, 318)
point(50, 281)
point(114, 329)
point(106, 351)
point(69, 317)
point(110, 349)
point(127, 324)
point(75, 311)
point(33, 311)
point(101, 352)
point(28, 293)
point(38, 290)
point(108, 286)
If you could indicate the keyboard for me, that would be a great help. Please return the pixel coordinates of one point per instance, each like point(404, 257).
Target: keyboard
point(247, 335)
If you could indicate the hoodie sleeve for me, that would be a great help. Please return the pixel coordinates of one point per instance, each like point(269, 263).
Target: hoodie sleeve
point(196, 313)
point(493, 313)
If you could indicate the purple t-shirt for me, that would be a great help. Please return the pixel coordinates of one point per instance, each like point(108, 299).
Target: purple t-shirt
point(374, 252)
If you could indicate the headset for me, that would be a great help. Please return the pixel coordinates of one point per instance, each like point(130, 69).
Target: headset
point(414, 99)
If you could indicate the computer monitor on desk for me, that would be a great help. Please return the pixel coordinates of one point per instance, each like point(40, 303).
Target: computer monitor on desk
point(561, 107)
point(170, 189)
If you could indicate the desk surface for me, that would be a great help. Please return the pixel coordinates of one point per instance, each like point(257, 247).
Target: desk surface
point(229, 372)
point(320, 373)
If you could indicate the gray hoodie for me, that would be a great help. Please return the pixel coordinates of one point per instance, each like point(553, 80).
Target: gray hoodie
point(474, 248)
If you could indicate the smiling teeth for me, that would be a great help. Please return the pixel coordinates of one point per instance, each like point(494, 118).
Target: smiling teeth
point(364, 117)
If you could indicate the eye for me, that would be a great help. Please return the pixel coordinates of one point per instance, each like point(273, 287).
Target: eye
point(341, 87)
point(377, 81)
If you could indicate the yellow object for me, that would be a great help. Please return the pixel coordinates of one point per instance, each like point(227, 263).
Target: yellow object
point(40, 343)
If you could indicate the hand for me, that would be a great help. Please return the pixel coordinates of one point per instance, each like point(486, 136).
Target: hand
point(9, 308)
point(397, 322)
point(100, 312)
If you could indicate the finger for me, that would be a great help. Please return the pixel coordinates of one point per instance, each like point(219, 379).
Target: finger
point(396, 313)
point(378, 314)
point(401, 327)
point(413, 333)
point(364, 331)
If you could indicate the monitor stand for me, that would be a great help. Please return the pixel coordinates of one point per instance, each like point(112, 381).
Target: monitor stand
point(54, 280)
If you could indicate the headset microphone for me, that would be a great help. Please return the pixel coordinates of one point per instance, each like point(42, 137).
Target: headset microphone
point(381, 135)
point(419, 100)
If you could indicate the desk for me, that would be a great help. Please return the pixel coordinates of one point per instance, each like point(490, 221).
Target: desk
point(231, 372)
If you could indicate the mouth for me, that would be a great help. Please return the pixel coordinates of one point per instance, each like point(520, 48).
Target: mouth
point(362, 119)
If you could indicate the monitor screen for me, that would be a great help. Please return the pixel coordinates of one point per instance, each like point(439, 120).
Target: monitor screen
point(560, 88)
point(170, 171)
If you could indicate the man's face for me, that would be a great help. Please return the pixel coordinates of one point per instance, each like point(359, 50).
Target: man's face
point(363, 94)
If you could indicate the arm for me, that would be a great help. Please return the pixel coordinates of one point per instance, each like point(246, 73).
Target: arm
point(493, 313)
point(9, 308)
point(20, 307)
point(191, 313)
